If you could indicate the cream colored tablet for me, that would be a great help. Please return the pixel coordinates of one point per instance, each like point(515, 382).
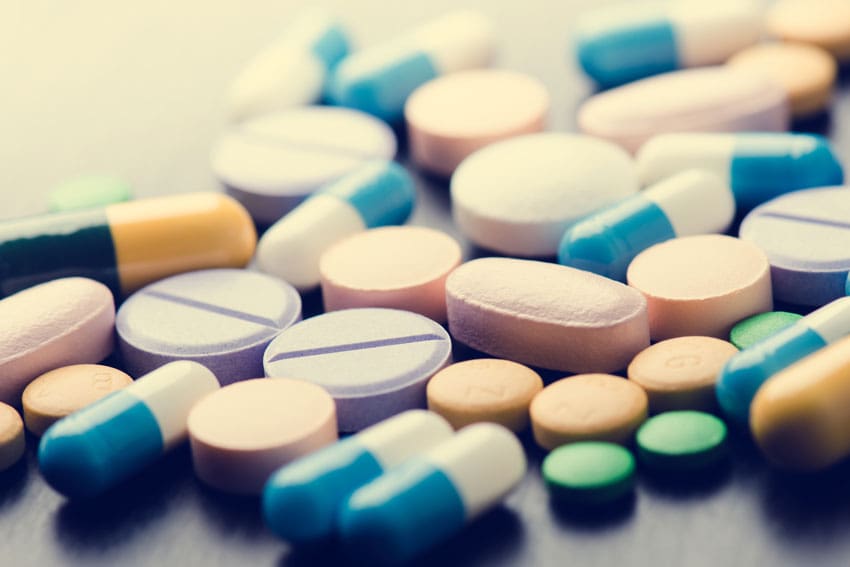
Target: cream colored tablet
point(60, 392)
point(484, 389)
point(12, 442)
point(825, 23)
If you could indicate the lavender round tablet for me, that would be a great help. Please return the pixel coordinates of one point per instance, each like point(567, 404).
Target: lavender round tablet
point(223, 319)
point(806, 236)
point(374, 362)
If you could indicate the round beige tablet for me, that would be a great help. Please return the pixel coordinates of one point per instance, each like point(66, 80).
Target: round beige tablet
point(452, 116)
point(12, 442)
point(484, 389)
point(243, 432)
point(60, 392)
point(587, 407)
point(805, 71)
point(825, 23)
point(701, 285)
point(679, 374)
point(401, 267)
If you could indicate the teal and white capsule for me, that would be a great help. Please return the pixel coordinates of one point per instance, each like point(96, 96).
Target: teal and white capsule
point(379, 79)
point(688, 203)
point(302, 499)
point(380, 193)
point(745, 372)
point(432, 496)
point(757, 166)
point(97, 447)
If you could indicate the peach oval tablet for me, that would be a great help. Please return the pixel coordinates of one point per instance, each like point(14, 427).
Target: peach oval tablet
point(825, 23)
point(401, 267)
point(454, 115)
point(243, 432)
point(60, 392)
point(680, 373)
point(12, 442)
point(546, 315)
point(484, 389)
point(806, 72)
point(701, 285)
point(587, 407)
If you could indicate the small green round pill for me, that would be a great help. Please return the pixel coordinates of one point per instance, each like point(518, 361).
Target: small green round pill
point(681, 440)
point(88, 193)
point(753, 329)
point(589, 472)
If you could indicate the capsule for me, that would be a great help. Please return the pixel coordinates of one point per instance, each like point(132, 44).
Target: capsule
point(301, 500)
point(127, 245)
point(430, 497)
point(99, 446)
point(623, 43)
point(757, 166)
point(379, 80)
point(380, 193)
point(746, 371)
point(688, 203)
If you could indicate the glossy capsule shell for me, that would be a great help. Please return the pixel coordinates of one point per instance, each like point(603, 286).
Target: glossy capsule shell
point(127, 245)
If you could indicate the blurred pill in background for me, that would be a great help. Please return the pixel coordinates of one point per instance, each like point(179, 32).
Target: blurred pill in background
point(88, 193)
point(12, 439)
point(825, 23)
point(751, 330)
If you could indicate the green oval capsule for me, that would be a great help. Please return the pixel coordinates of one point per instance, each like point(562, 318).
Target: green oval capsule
point(681, 440)
point(589, 472)
point(753, 329)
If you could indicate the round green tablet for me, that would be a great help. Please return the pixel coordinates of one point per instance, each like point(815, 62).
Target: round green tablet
point(681, 440)
point(589, 472)
point(753, 329)
point(88, 193)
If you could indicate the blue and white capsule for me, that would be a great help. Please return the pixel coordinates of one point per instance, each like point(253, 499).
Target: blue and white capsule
point(688, 203)
point(379, 79)
point(630, 41)
point(380, 193)
point(745, 372)
point(94, 449)
point(430, 497)
point(757, 166)
point(301, 500)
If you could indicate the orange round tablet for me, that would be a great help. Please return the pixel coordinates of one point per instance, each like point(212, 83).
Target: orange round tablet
point(825, 23)
point(12, 441)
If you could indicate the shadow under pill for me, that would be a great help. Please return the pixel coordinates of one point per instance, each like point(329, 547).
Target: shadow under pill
point(687, 484)
point(311, 303)
point(13, 482)
point(593, 518)
point(232, 514)
point(818, 123)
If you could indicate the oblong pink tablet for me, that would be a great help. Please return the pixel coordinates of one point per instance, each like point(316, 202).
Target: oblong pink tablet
point(400, 267)
point(701, 285)
point(58, 323)
point(546, 315)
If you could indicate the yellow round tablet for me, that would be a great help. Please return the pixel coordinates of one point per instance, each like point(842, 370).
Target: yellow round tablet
point(825, 23)
point(12, 442)
point(485, 389)
point(60, 392)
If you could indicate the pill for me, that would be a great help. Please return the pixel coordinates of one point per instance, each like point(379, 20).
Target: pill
point(825, 23)
point(88, 193)
point(709, 99)
point(99, 446)
point(758, 167)
point(379, 79)
point(374, 362)
point(589, 472)
point(292, 70)
point(620, 43)
point(687, 203)
point(701, 285)
point(806, 72)
point(430, 497)
point(518, 196)
point(749, 369)
point(66, 321)
point(546, 315)
point(450, 117)
point(805, 235)
point(587, 407)
point(61, 392)
point(680, 373)
point(243, 432)
point(223, 319)
point(753, 329)
point(681, 440)
point(301, 500)
point(377, 194)
point(12, 440)
point(484, 389)
point(799, 416)
point(400, 267)
point(126, 245)
point(272, 162)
